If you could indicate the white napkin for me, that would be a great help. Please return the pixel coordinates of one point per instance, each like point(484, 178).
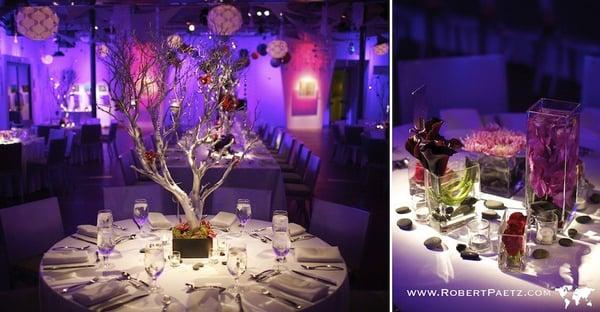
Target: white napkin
point(318, 254)
point(204, 300)
point(99, 292)
point(296, 229)
point(87, 230)
point(223, 219)
point(65, 257)
point(300, 287)
point(158, 221)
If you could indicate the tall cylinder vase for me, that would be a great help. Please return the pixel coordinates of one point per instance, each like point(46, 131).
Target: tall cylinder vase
point(552, 155)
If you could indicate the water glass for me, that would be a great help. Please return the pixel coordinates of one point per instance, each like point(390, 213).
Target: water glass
point(140, 213)
point(546, 228)
point(237, 263)
point(281, 248)
point(106, 244)
point(280, 222)
point(479, 235)
point(244, 212)
point(154, 263)
point(104, 219)
point(175, 259)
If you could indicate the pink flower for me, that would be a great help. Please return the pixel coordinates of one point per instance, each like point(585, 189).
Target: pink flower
point(495, 141)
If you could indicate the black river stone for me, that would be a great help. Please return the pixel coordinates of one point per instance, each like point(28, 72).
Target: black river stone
point(565, 242)
point(584, 219)
point(572, 233)
point(469, 201)
point(470, 255)
point(434, 243)
point(595, 198)
point(402, 210)
point(404, 224)
point(489, 214)
point(540, 253)
point(461, 247)
point(494, 204)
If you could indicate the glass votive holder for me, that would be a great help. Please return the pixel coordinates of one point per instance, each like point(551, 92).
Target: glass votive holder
point(546, 224)
point(175, 259)
point(479, 235)
point(420, 208)
point(213, 255)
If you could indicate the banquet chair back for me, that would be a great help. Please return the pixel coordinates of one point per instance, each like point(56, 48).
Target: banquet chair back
point(277, 138)
point(225, 199)
point(42, 228)
point(590, 93)
point(10, 158)
point(477, 82)
point(295, 153)
point(44, 131)
point(349, 235)
point(129, 175)
point(286, 147)
point(268, 135)
point(353, 134)
point(302, 162)
point(120, 199)
point(91, 133)
point(461, 118)
point(70, 137)
point(56, 152)
point(56, 134)
point(312, 172)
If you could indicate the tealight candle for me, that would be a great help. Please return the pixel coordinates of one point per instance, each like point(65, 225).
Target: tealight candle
point(547, 227)
point(545, 235)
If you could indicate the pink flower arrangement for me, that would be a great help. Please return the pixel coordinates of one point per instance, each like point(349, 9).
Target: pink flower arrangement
point(495, 141)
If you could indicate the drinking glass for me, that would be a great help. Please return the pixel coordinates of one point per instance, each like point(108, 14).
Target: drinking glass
point(479, 235)
point(154, 263)
point(280, 221)
point(175, 259)
point(104, 219)
point(140, 213)
point(546, 227)
point(244, 212)
point(237, 263)
point(106, 244)
point(281, 247)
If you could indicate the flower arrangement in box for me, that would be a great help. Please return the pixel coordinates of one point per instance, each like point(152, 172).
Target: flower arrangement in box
point(193, 242)
point(512, 249)
point(446, 187)
point(498, 153)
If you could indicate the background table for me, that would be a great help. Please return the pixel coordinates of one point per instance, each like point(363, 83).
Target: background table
point(127, 257)
point(415, 267)
point(32, 148)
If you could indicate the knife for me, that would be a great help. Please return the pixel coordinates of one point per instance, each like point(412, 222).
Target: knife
point(56, 267)
point(322, 280)
point(124, 301)
point(83, 239)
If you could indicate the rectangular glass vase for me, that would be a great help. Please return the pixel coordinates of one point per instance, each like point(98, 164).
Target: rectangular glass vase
point(502, 176)
point(512, 247)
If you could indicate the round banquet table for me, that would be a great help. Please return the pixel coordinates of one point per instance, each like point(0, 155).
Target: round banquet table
point(127, 257)
point(417, 268)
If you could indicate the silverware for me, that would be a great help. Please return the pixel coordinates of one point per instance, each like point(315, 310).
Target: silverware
point(289, 302)
point(238, 298)
point(83, 239)
point(262, 239)
point(322, 266)
point(166, 301)
point(301, 237)
point(192, 288)
point(71, 247)
point(73, 287)
point(56, 267)
point(124, 238)
point(266, 276)
point(128, 277)
point(120, 227)
point(322, 280)
point(221, 229)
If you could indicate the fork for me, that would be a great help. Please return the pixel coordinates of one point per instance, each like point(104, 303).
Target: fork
point(192, 288)
point(301, 237)
point(291, 303)
point(322, 266)
point(70, 288)
point(71, 247)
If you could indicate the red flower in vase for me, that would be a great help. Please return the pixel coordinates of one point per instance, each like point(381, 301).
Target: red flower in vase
point(419, 176)
point(513, 240)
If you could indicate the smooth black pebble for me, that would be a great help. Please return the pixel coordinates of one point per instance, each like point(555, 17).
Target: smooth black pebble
point(595, 198)
point(470, 255)
point(489, 214)
point(469, 201)
point(572, 233)
point(402, 210)
point(565, 242)
point(540, 254)
point(584, 219)
point(461, 247)
point(197, 266)
point(434, 243)
point(449, 210)
point(404, 224)
point(494, 204)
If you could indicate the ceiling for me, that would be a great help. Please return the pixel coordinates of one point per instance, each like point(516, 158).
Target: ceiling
point(292, 18)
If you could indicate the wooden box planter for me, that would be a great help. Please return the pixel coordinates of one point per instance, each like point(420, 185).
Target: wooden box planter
point(193, 248)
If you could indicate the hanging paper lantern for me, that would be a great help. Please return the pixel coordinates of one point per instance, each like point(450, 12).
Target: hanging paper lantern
point(255, 55)
point(47, 59)
point(174, 41)
point(262, 49)
point(275, 62)
point(286, 59)
point(224, 20)
point(277, 49)
point(382, 49)
point(37, 23)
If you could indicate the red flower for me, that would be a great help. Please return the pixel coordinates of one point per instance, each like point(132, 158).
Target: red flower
point(513, 240)
point(419, 176)
point(183, 227)
point(150, 156)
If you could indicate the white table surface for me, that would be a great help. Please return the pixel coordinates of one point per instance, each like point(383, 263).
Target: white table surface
point(127, 257)
point(416, 267)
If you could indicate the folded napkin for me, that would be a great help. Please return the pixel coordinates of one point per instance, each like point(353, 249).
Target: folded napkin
point(318, 254)
point(87, 230)
point(296, 229)
point(158, 221)
point(65, 257)
point(204, 300)
point(223, 219)
point(300, 287)
point(99, 292)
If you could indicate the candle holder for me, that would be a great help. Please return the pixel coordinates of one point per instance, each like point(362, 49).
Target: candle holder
point(546, 224)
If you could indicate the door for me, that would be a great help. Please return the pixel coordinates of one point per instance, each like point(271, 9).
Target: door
point(19, 92)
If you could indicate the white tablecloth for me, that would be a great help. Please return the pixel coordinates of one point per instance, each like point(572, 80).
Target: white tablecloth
point(415, 267)
point(127, 257)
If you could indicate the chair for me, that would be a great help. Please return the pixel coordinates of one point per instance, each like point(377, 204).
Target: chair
point(349, 235)
point(338, 141)
point(376, 162)
point(477, 82)
point(225, 199)
point(275, 143)
point(44, 131)
point(56, 134)
point(11, 166)
point(267, 135)
point(111, 140)
point(294, 155)
point(353, 141)
point(461, 118)
point(296, 174)
point(129, 175)
point(53, 163)
point(90, 146)
point(28, 230)
point(120, 199)
point(69, 148)
point(285, 152)
point(303, 192)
